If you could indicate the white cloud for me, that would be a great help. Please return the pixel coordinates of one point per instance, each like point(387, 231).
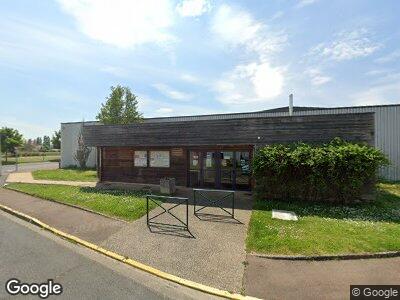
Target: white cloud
point(193, 8)
point(279, 14)
point(238, 28)
point(346, 46)
point(383, 93)
point(25, 43)
point(28, 129)
point(389, 57)
point(377, 72)
point(122, 23)
point(189, 78)
point(317, 77)
point(164, 111)
point(255, 82)
point(116, 71)
point(172, 93)
point(251, 83)
point(147, 105)
point(303, 3)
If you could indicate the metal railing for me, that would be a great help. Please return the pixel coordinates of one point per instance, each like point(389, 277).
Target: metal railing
point(205, 194)
point(156, 200)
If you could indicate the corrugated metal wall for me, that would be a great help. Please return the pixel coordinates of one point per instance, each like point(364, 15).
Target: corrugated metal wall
point(387, 133)
point(387, 128)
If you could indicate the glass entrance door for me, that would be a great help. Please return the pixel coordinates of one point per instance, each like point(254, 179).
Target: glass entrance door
point(209, 169)
point(242, 169)
point(227, 169)
point(194, 169)
point(219, 169)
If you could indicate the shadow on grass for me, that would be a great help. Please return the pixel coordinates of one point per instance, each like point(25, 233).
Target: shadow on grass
point(54, 160)
point(76, 168)
point(386, 208)
point(114, 192)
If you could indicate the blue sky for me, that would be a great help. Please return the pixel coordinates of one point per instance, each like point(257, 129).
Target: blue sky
point(58, 59)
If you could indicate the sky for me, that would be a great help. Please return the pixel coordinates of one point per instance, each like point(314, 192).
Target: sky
point(59, 58)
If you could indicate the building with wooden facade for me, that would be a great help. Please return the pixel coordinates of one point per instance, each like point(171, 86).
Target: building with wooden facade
point(212, 153)
point(386, 135)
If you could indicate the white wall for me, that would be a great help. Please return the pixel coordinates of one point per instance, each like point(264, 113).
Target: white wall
point(69, 145)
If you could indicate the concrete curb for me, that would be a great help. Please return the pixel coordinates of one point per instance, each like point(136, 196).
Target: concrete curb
point(329, 257)
point(126, 260)
point(67, 204)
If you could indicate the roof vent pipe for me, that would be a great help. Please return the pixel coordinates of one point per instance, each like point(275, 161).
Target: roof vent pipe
point(291, 105)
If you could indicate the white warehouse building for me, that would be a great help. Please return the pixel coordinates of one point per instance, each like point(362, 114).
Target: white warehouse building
point(387, 130)
point(69, 144)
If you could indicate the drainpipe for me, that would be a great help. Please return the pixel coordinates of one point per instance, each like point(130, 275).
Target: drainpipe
point(291, 105)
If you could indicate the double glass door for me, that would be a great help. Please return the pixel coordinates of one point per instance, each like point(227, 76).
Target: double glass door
point(219, 169)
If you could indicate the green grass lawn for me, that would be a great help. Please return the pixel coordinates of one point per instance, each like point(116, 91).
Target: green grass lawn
point(66, 175)
point(126, 205)
point(327, 228)
point(30, 159)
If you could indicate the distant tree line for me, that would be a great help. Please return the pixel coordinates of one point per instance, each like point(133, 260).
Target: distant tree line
point(12, 140)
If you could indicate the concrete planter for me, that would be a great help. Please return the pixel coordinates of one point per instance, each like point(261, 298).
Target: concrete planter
point(167, 186)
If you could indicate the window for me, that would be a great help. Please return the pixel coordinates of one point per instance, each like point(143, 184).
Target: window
point(194, 160)
point(140, 159)
point(159, 159)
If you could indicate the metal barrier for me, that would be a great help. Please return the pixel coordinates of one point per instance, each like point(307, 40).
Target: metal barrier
point(216, 202)
point(181, 201)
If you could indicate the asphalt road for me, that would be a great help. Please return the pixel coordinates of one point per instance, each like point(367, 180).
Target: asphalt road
point(31, 254)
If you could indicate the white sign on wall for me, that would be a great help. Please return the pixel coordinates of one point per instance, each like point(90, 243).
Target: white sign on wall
point(159, 159)
point(140, 158)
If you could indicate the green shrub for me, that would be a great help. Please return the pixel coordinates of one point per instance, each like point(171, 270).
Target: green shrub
point(338, 171)
point(29, 154)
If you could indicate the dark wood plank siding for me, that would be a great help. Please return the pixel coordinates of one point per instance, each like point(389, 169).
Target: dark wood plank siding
point(118, 166)
point(319, 128)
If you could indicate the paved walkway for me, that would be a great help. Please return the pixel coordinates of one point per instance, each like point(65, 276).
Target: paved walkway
point(6, 169)
point(26, 177)
point(212, 253)
point(89, 226)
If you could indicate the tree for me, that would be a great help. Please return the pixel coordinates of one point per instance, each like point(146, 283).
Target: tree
point(38, 140)
point(28, 146)
point(120, 107)
point(46, 143)
point(10, 139)
point(83, 152)
point(56, 139)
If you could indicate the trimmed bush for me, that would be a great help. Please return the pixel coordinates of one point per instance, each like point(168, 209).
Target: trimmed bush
point(338, 171)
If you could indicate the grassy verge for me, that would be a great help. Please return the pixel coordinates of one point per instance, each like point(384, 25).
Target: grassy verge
point(126, 205)
point(30, 159)
point(66, 175)
point(328, 229)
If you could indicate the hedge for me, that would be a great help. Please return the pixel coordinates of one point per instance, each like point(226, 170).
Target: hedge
point(338, 171)
point(26, 154)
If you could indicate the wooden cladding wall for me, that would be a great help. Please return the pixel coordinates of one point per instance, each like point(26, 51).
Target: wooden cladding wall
point(315, 129)
point(118, 165)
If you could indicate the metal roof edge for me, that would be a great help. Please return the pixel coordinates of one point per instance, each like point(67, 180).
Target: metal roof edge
point(251, 112)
